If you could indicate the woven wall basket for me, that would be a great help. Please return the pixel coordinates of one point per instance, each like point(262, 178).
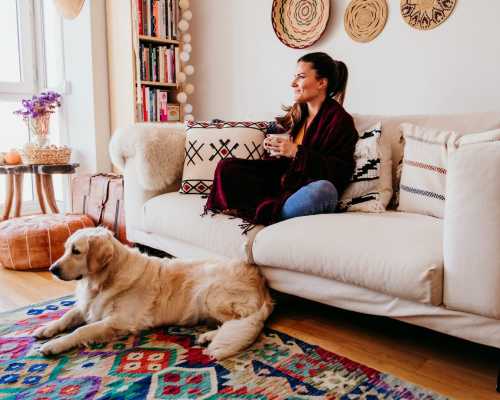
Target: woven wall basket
point(365, 19)
point(426, 14)
point(299, 23)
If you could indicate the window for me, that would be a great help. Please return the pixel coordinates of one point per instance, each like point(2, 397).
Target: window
point(32, 61)
point(17, 72)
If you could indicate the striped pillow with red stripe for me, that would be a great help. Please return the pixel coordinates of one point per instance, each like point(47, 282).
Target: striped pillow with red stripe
point(423, 176)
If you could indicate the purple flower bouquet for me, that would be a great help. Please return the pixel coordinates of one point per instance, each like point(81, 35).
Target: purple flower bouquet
point(36, 113)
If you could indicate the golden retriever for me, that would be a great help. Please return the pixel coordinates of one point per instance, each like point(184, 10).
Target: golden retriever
point(121, 290)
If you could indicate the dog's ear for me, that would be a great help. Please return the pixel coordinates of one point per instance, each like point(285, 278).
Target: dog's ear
point(100, 253)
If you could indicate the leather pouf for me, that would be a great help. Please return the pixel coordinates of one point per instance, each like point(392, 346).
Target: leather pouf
point(36, 241)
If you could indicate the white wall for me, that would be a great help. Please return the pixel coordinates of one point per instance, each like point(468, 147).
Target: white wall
point(87, 104)
point(120, 63)
point(243, 71)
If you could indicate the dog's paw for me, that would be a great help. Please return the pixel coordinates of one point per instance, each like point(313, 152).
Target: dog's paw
point(206, 337)
point(218, 352)
point(54, 347)
point(44, 332)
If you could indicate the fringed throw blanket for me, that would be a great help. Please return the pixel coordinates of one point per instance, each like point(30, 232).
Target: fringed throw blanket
point(256, 190)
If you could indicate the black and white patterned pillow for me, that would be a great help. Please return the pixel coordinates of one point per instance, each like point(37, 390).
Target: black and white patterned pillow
point(364, 192)
point(209, 142)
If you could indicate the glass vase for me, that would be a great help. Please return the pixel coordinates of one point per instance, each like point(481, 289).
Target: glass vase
point(39, 127)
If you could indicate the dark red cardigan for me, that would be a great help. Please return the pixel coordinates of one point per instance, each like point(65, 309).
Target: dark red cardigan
point(257, 189)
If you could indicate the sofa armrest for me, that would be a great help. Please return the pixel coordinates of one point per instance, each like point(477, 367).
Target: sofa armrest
point(152, 159)
point(157, 153)
point(472, 226)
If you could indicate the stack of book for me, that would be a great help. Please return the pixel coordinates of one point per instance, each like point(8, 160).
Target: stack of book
point(155, 106)
point(158, 63)
point(158, 18)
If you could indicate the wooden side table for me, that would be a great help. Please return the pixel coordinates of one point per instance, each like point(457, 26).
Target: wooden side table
point(43, 185)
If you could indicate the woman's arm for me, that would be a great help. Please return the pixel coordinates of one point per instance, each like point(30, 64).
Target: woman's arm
point(333, 160)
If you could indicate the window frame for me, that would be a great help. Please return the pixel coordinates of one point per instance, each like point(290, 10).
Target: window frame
point(27, 54)
point(33, 64)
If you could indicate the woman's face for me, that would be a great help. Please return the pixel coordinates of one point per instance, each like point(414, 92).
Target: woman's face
point(306, 86)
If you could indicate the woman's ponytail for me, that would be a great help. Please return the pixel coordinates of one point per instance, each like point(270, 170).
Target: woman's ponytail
point(339, 81)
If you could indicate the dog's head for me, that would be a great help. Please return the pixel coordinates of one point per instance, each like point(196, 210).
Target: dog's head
point(86, 252)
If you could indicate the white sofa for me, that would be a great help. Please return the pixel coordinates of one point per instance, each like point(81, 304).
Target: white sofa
point(389, 264)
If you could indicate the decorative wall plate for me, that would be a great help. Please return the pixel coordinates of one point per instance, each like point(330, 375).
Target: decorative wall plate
point(426, 14)
point(299, 23)
point(365, 19)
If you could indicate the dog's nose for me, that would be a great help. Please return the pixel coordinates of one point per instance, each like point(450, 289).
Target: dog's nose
point(55, 269)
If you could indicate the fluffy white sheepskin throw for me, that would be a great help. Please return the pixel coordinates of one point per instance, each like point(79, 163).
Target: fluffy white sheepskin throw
point(158, 153)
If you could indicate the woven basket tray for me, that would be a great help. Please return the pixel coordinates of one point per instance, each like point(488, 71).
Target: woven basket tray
point(46, 155)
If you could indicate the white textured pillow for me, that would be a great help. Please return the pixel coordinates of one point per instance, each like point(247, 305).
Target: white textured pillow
point(370, 189)
point(423, 175)
point(209, 142)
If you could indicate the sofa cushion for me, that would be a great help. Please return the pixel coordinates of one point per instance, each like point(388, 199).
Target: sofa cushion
point(471, 227)
point(362, 193)
point(174, 215)
point(423, 177)
point(391, 134)
point(209, 142)
point(399, 254)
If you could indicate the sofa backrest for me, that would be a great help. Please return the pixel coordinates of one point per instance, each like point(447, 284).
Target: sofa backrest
point(460, 123)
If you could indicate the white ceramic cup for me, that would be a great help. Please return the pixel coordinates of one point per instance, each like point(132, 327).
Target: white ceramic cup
point(274, 137)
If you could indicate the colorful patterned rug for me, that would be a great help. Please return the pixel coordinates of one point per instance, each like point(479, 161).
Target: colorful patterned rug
point(166, 363)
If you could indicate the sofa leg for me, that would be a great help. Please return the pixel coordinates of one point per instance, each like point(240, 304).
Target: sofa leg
point(152, 252)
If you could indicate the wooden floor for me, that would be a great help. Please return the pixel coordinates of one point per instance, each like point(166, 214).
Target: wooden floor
point(450, 366)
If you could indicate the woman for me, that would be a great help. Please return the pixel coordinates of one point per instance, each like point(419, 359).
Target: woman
point(309, 172)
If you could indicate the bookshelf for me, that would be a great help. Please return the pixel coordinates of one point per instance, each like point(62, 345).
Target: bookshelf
point(156, 53)
point(158, 40)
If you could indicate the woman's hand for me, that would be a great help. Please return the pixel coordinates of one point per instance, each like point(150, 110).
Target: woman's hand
point(280, 147)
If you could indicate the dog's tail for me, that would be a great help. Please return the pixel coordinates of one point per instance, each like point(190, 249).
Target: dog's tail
point(238, 334)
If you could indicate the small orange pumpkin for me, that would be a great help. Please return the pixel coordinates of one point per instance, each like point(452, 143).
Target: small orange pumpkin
point(13, 157)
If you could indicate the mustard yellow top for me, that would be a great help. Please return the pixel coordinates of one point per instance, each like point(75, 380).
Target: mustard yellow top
point(300, 134)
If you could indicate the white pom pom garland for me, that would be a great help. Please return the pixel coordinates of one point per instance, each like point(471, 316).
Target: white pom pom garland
point(184, 56)
point(182, 97)
point(183, 25)
point(184, 4)
point(181, 77)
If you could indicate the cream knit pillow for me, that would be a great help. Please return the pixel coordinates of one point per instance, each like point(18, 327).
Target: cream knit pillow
point(423, 176)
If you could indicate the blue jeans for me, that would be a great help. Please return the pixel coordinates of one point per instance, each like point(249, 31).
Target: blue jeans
point(318, 197)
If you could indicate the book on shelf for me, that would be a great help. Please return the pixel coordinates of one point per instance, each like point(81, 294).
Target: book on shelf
point(140, 28)
point(158, 63)
point(162, 106)
point(154, 106)
point(158, 18)
point(155, 18)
